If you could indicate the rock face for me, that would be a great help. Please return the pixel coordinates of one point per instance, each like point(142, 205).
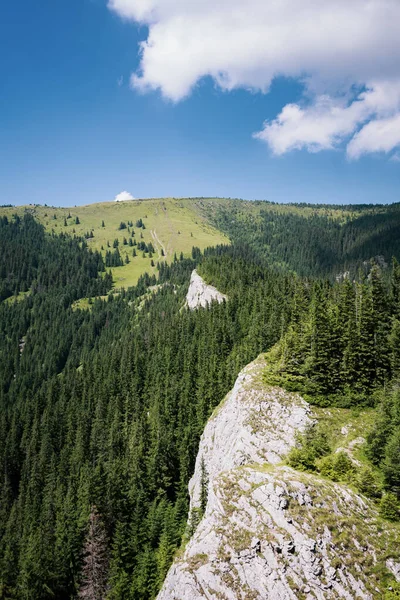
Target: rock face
point(200, 294)
point(269, 532)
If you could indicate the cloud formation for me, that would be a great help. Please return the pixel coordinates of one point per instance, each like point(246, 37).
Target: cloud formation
point(123, 196)
point(372, 118)
point(333, 46)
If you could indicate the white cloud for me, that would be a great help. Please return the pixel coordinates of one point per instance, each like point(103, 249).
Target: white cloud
point(331, 45)
point(327, 122)
point(319, 127)
point(380, 135)
point(123, 196)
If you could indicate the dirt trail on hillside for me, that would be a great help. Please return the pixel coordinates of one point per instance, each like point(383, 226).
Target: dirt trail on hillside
point(158, 241)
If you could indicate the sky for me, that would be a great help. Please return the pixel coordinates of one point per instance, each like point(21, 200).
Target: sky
point(280, 100)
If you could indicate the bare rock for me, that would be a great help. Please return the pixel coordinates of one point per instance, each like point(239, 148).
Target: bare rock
point(200, 294)
point(269, 532)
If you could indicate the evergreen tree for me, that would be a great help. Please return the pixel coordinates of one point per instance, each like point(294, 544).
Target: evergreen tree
point(391, 462)
point(366, 482)
point(389, 508)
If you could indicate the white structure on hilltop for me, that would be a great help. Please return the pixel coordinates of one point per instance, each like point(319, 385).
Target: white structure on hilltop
point(123, 197)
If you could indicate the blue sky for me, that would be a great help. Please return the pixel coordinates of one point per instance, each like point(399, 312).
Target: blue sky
point(73, 132)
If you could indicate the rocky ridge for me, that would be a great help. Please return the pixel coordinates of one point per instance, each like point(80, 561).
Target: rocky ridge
point(200, 294)
point(269, 532)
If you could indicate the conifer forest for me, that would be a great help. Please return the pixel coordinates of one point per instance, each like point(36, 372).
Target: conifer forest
point(102, 405)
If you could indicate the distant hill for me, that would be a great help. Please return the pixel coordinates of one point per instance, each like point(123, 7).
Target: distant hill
point(311, 240)
point(170, 226)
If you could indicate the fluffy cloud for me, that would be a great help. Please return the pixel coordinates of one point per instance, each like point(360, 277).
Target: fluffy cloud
point(327, 122)
point(380, 135)
point(122, 196)
point(333, 46)
point(319, 127)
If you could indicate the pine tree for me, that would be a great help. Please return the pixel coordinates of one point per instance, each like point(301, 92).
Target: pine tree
point(394, 343)
point(366, 482)
point(366, 365)
point(381, 324)
point(391, 463)
point(395, 288)
point(167, 545)
point(389, 507)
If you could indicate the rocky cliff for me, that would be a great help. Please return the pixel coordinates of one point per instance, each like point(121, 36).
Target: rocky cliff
point(269, 532)
point(200, 294)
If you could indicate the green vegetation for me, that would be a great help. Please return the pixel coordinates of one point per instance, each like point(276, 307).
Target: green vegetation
point(341, 345)
point(171, 226)
point(104, 408)
point(104, 395)
point(312, 240)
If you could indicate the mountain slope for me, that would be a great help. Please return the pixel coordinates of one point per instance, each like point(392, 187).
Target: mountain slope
point(312, 240)
point(268, 531)
point(171, 226)
point(101, 410)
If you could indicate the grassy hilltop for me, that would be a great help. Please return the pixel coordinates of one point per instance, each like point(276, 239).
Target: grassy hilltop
point(172, 226)
point(308, 239)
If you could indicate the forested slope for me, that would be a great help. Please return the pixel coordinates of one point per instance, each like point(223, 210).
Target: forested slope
point(312, 240)
point(102, 409)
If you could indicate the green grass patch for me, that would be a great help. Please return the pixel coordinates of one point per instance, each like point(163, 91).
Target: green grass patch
point(172, 226)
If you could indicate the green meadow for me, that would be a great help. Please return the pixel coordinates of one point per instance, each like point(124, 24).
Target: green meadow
point(172, 226)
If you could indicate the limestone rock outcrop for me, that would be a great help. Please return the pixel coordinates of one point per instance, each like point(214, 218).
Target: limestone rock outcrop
point(269, 532)
point(200, 294)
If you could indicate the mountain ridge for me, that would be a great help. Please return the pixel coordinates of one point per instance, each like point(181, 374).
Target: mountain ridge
point(265, 531)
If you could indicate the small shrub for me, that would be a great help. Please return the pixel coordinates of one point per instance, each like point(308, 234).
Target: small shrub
point(302, 459)
point(389, 507)
point(325, 467)
point(342, 465)
point(337, 467)
point(311, 446)
point(366, 483)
